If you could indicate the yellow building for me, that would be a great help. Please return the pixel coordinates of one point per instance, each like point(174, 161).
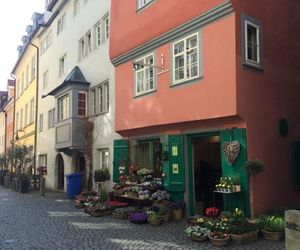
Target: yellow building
point(25, 72)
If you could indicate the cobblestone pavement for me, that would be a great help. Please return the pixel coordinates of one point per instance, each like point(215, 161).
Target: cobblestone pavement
point(28, 221)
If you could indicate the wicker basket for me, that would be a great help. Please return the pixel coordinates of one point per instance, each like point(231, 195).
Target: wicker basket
point(165, 218)
point(119, 216)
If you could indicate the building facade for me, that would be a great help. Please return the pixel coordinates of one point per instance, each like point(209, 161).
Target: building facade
point(76, 81)
point(25, 72)
point(3, 101)
point(205, 89)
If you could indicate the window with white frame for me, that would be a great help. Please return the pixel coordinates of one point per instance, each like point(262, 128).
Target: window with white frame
point(26, 114)
point(22, 82)
point(42, 161)
point(85, 45)
point(41, 123)
point(106, 27)
point(27, 74)
point(46, 42)
point(144, 74)
point(99, 99)
point(97, 31)
point(104, 158)
point(142, 3)
point(63, 65)
point(21, 118)
point(33, 67)
point(51, 118)
point(63, 107)
point(252, 41)
point(76, 7)
point(82, 103)
point(81, 48)
point(61, 23)
point(45, 79)
point(31, 114)
point(88, 39)
point(186, 63)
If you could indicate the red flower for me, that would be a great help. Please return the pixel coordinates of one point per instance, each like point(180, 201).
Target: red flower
point(212, 212)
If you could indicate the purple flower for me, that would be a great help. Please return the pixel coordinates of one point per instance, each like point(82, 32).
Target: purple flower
point(138, 217)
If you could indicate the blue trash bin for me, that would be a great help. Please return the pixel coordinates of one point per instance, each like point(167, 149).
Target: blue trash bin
point(74, 184)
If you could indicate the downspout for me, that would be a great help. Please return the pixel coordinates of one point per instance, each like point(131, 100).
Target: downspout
point(36, 107)
point(14, 115)
point(5, 137)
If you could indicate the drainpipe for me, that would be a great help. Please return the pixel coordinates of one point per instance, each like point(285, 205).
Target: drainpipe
point(36, 107)
point(5, 134)
point(14, 115)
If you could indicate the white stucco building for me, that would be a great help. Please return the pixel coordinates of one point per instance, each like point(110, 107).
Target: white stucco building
point(76, 79)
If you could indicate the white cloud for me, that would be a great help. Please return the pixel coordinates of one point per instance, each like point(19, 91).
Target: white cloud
point(15, 15)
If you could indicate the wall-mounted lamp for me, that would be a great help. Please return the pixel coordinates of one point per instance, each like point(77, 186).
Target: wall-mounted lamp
point(137, 66)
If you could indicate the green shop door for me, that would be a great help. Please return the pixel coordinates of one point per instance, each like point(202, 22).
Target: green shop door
point(233, 166)
point(173, 166)
point(120, 161)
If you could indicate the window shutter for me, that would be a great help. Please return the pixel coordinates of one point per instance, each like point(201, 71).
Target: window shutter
point(175, 174)
point(296, 164)
point(120, 157)
point(239, 200)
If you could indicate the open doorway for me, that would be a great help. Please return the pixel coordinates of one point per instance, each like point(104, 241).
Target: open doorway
point(207, 172)
point(60, 172)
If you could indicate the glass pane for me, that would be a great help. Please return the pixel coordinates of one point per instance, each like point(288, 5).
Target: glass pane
point(178, 47)
point(179, 67)
point(192, 63)
point(191, 42)
point(252, 43)
point(140, 80)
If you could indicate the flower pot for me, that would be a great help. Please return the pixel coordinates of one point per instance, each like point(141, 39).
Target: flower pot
point(219, 242)
point(133, 194)
point(141, 196)
point(165, 217)
point(275, 236)
point(177, 214)
point(244, 238)
point(155, 222)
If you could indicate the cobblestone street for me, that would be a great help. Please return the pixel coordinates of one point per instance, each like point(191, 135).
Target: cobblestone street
point(28, 221)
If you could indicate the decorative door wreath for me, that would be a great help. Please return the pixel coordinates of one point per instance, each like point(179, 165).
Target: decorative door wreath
point(231, 151)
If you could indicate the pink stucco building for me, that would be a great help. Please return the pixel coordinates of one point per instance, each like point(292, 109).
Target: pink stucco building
point(193, 77)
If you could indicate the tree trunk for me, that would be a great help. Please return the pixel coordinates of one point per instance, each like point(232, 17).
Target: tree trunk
point(251, 197)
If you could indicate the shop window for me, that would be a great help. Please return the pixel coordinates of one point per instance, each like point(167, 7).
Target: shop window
point(104, 158)
point(149, 156)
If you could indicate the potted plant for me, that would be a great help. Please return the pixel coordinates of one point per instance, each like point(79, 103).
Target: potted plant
point(177, 209)
point(219, 233)
point(197, 233)
point(242, 231)
point(164, 213)
point(212, 212)
point(101, 175)
point(253, 167)
point(160, 197)
point(272, 227)
point(154, 219)
point(138, 217)
point(133, 192)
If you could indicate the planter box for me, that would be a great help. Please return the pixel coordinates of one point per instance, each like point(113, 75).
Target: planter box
point(275, 236)
point(244, 238)
point(198, 239)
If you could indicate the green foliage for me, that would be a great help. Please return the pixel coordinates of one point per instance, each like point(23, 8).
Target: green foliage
point(103, 195)
point(101, 175)
point(242, 226)
point(253, 167)
point(271, 223)
point(20, 156)
point(237, 215)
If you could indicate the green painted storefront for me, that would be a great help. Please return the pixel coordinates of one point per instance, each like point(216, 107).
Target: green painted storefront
point(177, 166)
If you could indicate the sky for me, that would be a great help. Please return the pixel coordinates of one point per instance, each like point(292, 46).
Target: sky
point(15, 15)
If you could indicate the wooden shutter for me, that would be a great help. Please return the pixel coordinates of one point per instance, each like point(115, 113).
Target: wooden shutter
point(120, 157)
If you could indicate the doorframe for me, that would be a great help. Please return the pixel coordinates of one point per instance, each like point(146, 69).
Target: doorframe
point(190, 172)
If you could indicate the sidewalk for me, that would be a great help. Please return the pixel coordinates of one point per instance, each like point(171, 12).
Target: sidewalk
point(28, 221)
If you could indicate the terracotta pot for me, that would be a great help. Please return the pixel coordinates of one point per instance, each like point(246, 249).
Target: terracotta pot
point(244, 238)
point(219, 242)
point(177, 214)
point(275, 236)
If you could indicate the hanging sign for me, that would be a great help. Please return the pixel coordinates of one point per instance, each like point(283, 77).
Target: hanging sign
point(231, 151)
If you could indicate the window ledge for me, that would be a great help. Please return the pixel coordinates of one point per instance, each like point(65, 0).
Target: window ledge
point(144, 94)
point(192, 81)
point(255, 66)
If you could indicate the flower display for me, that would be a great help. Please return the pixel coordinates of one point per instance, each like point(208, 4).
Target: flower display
point(196, 231)
point(116, 204)
point(212, 212)
point(160, 195)
point(144, 172)
point(138, 217)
